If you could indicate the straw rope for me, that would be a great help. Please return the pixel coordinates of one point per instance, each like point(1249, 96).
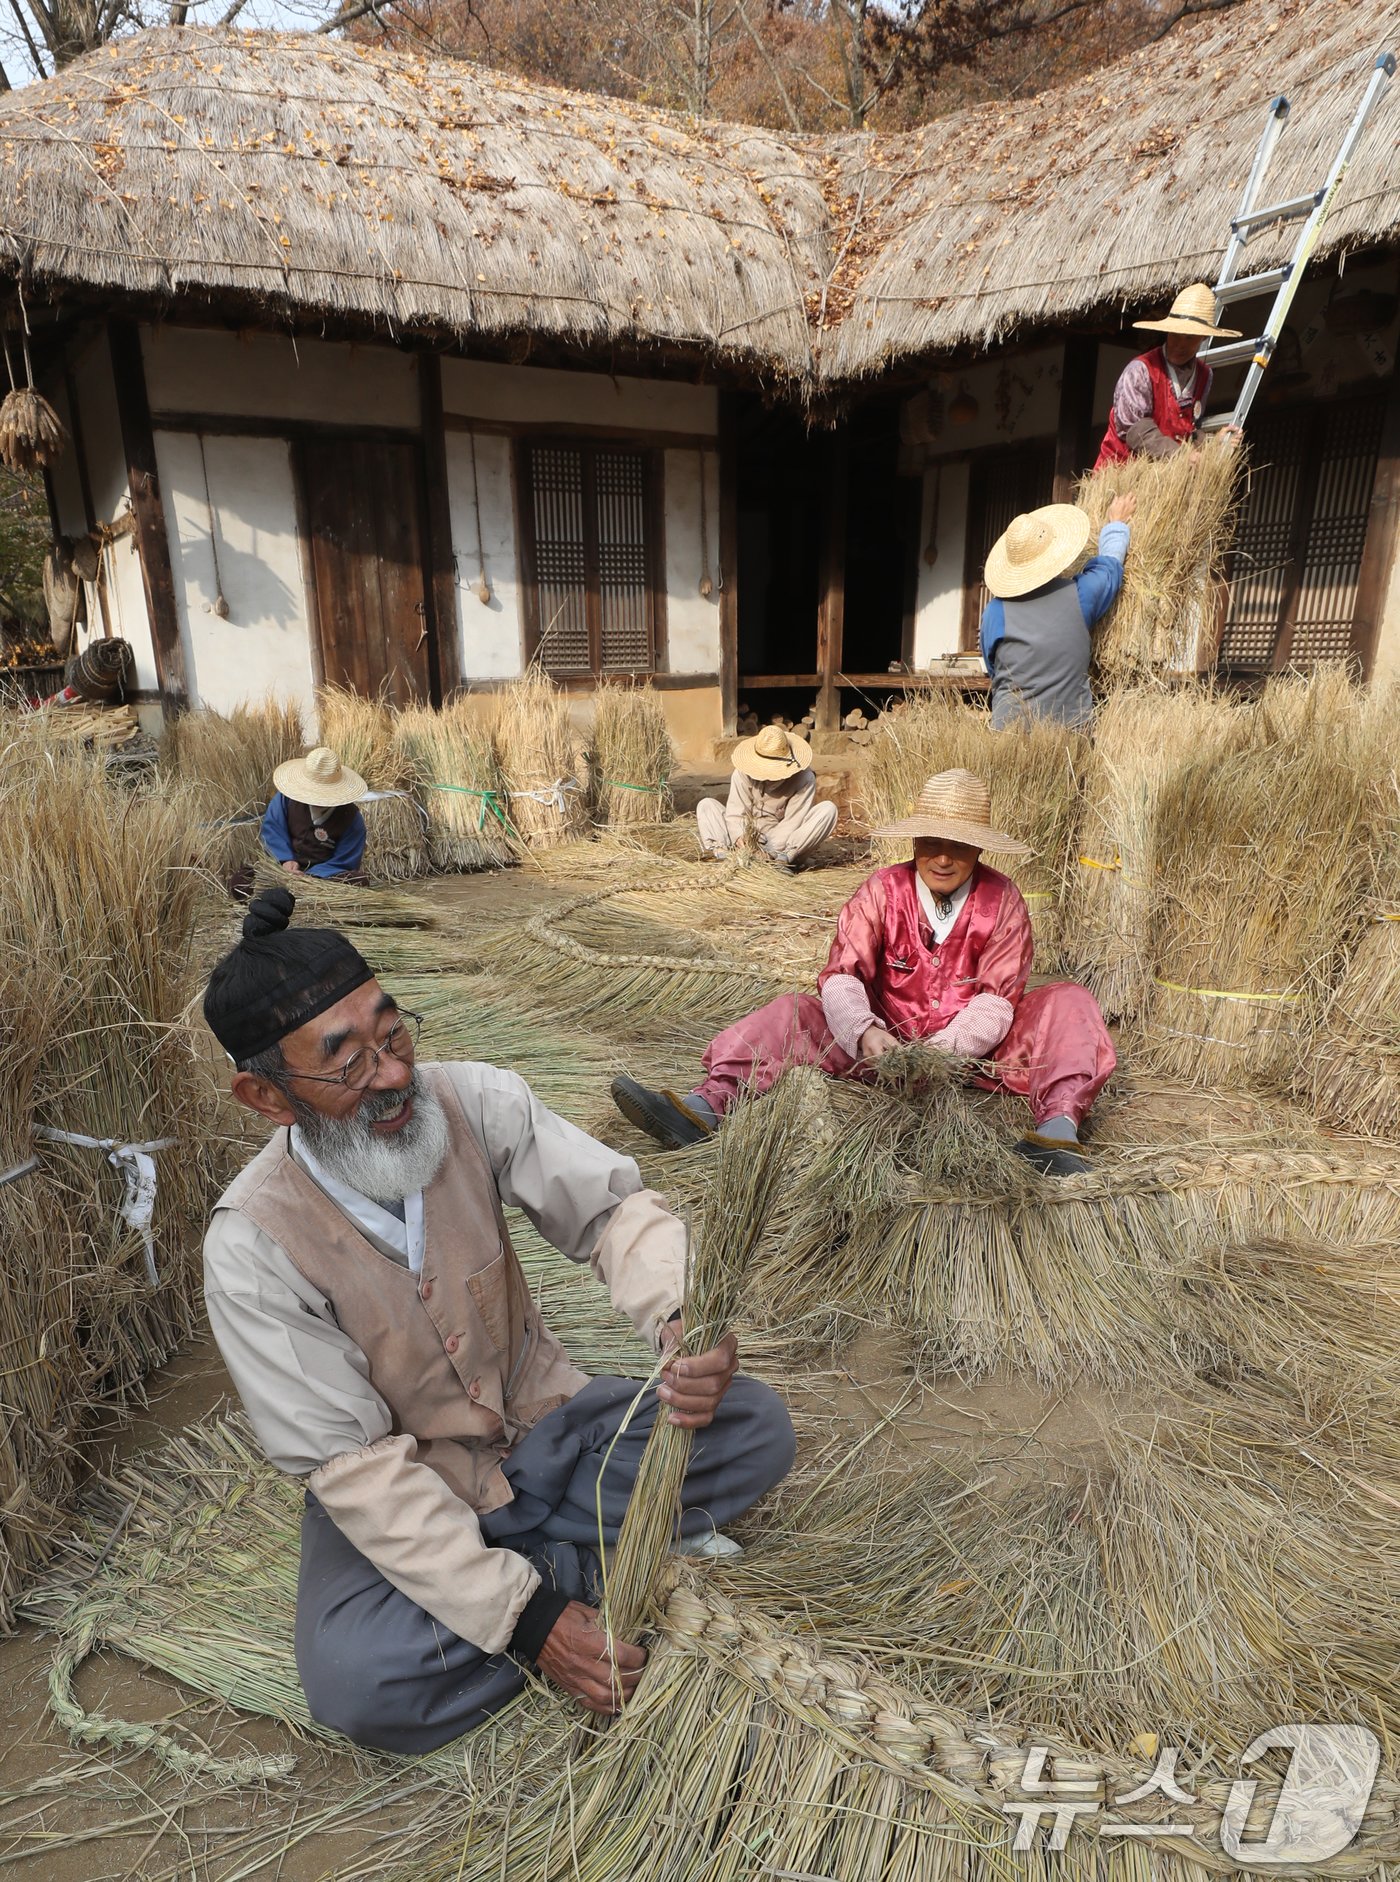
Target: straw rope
point(543, 928)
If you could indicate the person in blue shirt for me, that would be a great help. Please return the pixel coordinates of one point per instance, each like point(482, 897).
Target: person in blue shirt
point(312, 826)
point(1037, 630)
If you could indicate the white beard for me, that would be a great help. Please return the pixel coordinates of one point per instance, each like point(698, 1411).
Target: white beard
point(386, 1169)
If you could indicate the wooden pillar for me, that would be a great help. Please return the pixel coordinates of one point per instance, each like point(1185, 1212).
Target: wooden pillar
point(1382, 540)
point(153, 546)
point(1074, 439)
point(831, 608)
point(728, 561)
point(445, 665)
point(80, 461)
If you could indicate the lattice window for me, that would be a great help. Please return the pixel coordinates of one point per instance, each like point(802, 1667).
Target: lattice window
point(590, 542)
point(1296, 564)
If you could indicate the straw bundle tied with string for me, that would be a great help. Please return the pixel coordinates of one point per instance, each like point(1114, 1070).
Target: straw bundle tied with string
point(1140, 735)
point(632, 755)
point(361, 733)
point(539, 760)
point(225, 762)
point(32, 436)
point(1033, 775)
point(1180, 534)
point(456, 765)
point(1264, 855)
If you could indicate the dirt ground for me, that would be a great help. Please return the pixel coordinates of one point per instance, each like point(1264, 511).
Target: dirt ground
point(1007, 1428)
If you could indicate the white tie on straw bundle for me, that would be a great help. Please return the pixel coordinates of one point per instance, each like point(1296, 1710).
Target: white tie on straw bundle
point(553, 795)
point(136, 1164)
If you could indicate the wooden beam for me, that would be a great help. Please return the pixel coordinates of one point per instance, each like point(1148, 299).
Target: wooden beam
point(143, 481)
point(80, 460)
point(831, 610)
point(1382, 540)
point(445, 667)
point(1074, 431)
point(728, 561)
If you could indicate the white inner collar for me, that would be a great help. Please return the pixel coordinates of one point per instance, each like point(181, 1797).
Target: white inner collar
point(942, 925)
point(405, 1237)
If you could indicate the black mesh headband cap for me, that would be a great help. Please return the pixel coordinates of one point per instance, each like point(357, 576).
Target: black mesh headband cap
point(278, 978)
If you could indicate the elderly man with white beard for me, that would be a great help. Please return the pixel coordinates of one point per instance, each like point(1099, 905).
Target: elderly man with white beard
point(461, 1475)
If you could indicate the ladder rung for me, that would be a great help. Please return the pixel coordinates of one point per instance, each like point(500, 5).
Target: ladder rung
point(1233, 355)
point(1245, 285)
point(1278, 212)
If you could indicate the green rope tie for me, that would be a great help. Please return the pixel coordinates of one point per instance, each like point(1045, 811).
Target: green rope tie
point(621, 784)
point(490, 803)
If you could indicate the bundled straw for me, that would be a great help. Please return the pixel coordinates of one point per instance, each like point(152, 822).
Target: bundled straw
point(1140, 736)
point(632, 756)
point(539, 759)
point(1355, 1069)
point(1264, 854)
point(225, 761)
point(362, 732)
point(31, 432)
point(456, 766)
point(1162, 619)
point(1032, 772)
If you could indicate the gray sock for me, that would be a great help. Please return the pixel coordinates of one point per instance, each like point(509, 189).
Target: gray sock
point(703, 1109)
point(1060, 1129)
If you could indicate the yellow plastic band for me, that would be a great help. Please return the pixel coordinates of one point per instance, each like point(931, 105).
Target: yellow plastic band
point(1037, 895)
point(1092, 862)
point(1219, 993)
point(1388, 918)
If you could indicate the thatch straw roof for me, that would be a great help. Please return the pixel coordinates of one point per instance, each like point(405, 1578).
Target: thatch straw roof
point(289, 177)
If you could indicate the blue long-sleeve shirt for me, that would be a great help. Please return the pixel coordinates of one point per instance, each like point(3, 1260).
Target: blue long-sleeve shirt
point(276, 840)
point(1097, 586)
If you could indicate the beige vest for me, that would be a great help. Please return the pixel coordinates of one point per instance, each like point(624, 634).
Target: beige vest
point(458, 1353)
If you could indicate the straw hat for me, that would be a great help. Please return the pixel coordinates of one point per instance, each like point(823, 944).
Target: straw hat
point(1036, 548)
point(320, 779)
point(956, 805)
point(772, 753)
point(1193, 312)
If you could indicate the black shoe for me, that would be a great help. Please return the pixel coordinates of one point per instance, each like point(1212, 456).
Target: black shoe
point(661, 1114)
point(1051, 1156)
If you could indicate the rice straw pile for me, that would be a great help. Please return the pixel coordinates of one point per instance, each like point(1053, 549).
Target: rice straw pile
point(539, 759)
point(1140, 735)
point(1033, 773)
point(1185, 517)
point(456, 766)
point(633, 756)
point(1264, 854)
point(361, 731)
point(225, 762)
point(1355, 1068)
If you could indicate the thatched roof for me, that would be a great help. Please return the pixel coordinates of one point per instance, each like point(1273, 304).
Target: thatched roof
point(298, 177)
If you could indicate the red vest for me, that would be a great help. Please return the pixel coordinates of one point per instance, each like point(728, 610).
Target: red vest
point(1171, 417)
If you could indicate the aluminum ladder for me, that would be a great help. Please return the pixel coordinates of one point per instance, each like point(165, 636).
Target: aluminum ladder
point(1252, 221)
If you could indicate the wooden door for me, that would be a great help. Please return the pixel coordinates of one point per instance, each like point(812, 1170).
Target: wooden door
point(364, 523)
point(1002, 485)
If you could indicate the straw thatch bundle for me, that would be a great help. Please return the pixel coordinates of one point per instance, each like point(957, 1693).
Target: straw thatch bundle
point(225, 761)
point(1162, 619)
point(1355, 1067)
point(1140, 735)
point(540, 761)
point(456, 767)
point(32, 435)
point(1032, 771)
point(633, 756)
point(362, 731)
point(1264, 854)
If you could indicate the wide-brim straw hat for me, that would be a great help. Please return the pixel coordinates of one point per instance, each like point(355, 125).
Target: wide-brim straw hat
point(957, 806)
point(1193, 312)
point(320, 779)
point(772, 753)
point(1035, 548)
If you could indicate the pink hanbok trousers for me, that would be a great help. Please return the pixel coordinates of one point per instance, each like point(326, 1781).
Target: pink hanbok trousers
point(1057, 1055)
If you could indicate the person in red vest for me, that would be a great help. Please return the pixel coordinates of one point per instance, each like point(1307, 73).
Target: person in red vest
point(1160, 395)
point(938, 948)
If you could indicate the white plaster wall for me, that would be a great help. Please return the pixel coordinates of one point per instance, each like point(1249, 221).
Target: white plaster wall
point(537, 395)
point(264, 645)
point(106, 461)
point(266, 375)
point(938, 605)
point(492, 635)
point(692, 619)
point(1017, 398)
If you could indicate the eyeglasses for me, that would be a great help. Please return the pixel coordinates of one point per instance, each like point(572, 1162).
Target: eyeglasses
point(359, 1070)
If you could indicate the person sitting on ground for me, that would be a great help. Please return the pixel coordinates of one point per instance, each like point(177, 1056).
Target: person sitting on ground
point(1037, 630)
point(1161, 395)
point(377, 1324)
point(939, 949)
point(773, 794)
point(312, 826)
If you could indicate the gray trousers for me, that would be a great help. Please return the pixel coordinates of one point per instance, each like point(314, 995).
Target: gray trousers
point(377, 1667)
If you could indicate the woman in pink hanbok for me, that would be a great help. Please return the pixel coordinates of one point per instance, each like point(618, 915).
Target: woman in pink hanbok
point(939, 949)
